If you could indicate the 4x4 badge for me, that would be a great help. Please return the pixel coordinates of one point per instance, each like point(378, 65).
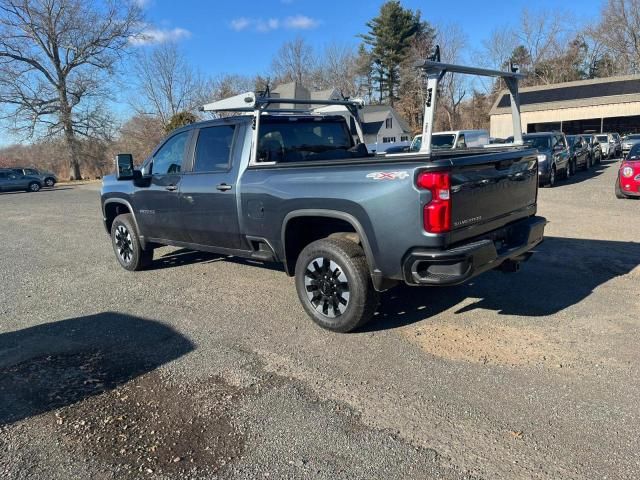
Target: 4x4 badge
point(389, 175)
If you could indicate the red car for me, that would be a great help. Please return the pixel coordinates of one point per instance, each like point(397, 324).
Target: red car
point(628, 179)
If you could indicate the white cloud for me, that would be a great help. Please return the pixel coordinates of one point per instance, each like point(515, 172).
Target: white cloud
point(240, 24)
point(301, 22)
point(152, 35)
point(296, 22)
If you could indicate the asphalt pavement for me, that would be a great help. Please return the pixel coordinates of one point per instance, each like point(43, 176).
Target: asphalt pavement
point(207, 367)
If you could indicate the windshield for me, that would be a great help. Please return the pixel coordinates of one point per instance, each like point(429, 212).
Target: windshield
point(541, 143)
point(602, 138)
point(442, 140)
point(634, 154)
point(302, 139)
point(632, 137)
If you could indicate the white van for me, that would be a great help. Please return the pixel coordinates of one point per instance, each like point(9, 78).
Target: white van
point(454, 139)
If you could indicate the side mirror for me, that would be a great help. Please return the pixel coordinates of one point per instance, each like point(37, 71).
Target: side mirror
point(124, 166)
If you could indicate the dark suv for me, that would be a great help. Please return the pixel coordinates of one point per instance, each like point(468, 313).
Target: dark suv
point(11, 181)
point(580, 155)
point(554, 157)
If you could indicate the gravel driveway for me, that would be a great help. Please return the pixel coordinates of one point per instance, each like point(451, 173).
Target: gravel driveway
point(207, 367)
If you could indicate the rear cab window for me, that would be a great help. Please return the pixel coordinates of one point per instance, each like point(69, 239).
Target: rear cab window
point(305, 139)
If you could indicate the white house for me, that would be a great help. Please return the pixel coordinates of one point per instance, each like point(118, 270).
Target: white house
point(381, 124)
point(383, 127)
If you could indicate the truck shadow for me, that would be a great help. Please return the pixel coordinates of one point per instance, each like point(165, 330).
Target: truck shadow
point(563, 272)
point(183, 256)
point(56, 364)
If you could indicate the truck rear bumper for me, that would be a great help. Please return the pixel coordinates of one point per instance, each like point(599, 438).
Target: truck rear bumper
point(509, 245)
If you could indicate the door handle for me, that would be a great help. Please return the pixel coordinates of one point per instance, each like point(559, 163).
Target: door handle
point(223, 187)
point(171, 188)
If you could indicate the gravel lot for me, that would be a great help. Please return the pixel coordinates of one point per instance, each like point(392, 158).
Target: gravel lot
point(206, 367)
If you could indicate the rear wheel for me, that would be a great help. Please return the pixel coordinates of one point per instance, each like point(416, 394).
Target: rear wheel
point(334, 285)
point(126, 244)
point(34, 187)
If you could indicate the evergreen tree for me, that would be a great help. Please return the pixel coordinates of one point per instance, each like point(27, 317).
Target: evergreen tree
point(390, 38)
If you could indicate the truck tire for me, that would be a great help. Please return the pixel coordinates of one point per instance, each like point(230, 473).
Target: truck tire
point(334, 285)
point(618, 190)
point(126, 244)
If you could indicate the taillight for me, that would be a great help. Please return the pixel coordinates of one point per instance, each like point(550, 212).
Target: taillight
point(437, 213)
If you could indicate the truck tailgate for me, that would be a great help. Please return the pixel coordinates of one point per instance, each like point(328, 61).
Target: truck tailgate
point(491, 190)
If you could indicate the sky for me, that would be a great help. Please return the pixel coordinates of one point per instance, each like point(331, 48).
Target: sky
point(241, 36)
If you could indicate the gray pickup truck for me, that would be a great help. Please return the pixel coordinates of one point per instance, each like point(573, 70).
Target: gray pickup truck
point(297, 188)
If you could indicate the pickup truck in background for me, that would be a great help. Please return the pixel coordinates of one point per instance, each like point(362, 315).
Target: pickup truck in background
point(454, 139)
point(296, 188)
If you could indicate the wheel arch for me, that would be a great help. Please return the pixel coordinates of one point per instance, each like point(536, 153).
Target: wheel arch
point(113, 207)
point(289, 258)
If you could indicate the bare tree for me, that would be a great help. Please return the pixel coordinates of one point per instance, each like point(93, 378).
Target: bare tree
point(619, 33)
point(452, 42)
point(167, 84)
point(55, 57)
point(338, 68)
point(294, 62)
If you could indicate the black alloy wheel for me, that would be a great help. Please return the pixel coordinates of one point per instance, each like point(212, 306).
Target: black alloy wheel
point(124, 244)
point(327, 287)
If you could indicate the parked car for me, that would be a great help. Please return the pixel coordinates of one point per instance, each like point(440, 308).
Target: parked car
point(628, 178)
point(579, 152)
point(13, 181)
point(49, 179)
point(629, 141)
point(610, 143)
point(594, 147)
point(296, 189)
point(554, 157)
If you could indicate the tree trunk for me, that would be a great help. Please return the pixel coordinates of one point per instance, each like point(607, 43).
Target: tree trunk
point(69, 135)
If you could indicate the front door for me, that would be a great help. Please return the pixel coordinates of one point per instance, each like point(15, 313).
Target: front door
point(156, 203)
point(208, 192)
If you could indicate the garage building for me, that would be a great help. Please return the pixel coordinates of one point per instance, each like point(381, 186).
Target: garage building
point(586, 106)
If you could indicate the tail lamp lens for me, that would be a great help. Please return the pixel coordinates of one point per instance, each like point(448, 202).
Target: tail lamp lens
point(437, 213)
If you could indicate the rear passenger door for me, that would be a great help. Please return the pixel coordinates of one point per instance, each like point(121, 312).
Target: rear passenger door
point(208, 194)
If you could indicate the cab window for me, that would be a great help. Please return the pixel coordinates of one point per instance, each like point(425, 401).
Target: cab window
point(168, 160)
point(461, 143)
point(213, 149)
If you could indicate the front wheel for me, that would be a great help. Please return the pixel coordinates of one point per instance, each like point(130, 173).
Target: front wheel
point(552, 177)
point(126, 244)
point(49, 182)
point(618, 190)
point(334, 285)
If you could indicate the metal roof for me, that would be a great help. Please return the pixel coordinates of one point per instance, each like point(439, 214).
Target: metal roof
point(581, 93)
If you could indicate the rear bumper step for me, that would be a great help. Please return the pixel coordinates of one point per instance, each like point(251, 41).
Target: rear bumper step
point(459, 264)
